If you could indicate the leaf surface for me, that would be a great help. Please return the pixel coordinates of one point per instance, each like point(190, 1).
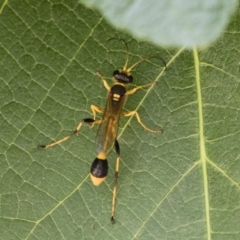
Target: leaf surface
point(182, 184)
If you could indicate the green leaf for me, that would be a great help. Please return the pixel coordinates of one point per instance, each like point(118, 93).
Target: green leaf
point(182, 184)
point(169, 23)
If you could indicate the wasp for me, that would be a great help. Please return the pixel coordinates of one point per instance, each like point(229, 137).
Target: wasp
point(107, 133)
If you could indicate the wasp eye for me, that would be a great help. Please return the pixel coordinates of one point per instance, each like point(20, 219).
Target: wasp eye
point(116, 72)
point(130, 78)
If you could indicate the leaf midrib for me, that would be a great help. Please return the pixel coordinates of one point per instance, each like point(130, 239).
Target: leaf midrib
point(203, 156)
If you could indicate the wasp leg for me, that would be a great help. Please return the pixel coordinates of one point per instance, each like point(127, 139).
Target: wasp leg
point(96, 109)
point(104, 82)
point(117, 149)
point(88, 121)
point(139, 87)
point(129, 114)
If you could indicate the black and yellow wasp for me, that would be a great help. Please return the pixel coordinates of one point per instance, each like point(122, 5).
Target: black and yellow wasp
point(107, 133)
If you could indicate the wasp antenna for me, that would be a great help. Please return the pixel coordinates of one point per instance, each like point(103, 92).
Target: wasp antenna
point(135, 64)
point(127, 50)
point(145, 59)
point(160, 58)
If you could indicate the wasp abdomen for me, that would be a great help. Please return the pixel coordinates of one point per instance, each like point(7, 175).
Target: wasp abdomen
point(99, 170)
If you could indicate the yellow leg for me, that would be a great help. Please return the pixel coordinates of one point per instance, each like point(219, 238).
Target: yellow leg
point(89, 121)
point(139, 87)
point(117, 149)
point(104, 82)
point(115, 191)
point(128, 114)
point(96, 109)
point(63, 139)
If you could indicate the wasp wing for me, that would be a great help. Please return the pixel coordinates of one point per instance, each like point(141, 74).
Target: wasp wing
point(107, 132)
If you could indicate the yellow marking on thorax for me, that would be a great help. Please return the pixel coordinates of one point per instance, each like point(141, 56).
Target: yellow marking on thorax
point(116, 97)
point(118, 83)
